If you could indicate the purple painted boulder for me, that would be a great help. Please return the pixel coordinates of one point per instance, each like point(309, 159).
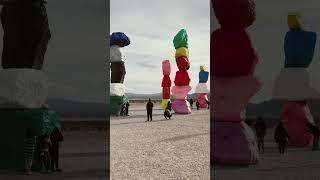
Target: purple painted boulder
point(180, 106)
point(233, 143)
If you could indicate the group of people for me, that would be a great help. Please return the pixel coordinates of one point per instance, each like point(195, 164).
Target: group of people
point(281, 136)
point(167, 112)
point(48, 146)
point(197, 104)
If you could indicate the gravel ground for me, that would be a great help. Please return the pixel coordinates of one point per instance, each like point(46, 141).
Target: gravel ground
point(296, 164)
point(161, 149)
point(83, 157)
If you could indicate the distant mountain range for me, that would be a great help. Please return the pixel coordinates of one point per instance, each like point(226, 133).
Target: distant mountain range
point(74, 109)
point(273, 109)
point(156, 96)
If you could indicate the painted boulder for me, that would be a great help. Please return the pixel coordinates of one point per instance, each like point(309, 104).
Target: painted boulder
point(232, 54)
point(181, 106)
point(182, 78)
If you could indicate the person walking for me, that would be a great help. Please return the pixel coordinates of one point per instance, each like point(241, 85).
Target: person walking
point(149, 110)
point(281, 137)
point(261, 129)
point(314, 130)
point(29, 148)
point(208, 103)
point(56, 137)
point(127, 108)
point(191, 103)
point(198, 105)
point(44, 154)
point(123, 110)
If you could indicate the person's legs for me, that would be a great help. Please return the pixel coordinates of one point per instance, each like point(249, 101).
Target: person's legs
point(28, 164)
point(151, 116)
point(315, 143)
point(279, 148)
point(259, 144)
point(148, 115)
point(52, 164)
point(48, 161)
point(56, 158)
point(43, 161)
point(262, 141)
point(283, 147)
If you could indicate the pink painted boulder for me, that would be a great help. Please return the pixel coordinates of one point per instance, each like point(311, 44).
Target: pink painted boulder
point(202, 98)
point(166, 67)
point(294, 119)
point(180, 106)
point(231, 96)
point(180, 92)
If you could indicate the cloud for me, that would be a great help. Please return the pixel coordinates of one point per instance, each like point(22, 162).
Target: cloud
point(267, 35)
point(151, 26)
point(147, 64)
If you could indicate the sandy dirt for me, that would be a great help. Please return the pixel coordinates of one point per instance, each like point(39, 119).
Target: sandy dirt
point(161, 149)
point(296, 164)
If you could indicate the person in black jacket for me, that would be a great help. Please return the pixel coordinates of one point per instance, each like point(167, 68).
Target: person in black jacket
point(314, 130)
point(261, 129)
point(198, 105)
point(191, 103)
point(149, 110)
point(281, 137)
point(127, 108)
point(56, 137)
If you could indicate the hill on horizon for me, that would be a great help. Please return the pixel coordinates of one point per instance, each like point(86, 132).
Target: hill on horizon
point(156, 96)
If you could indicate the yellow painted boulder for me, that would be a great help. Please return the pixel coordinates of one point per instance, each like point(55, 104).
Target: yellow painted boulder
point(182, 52)
point(295, 21)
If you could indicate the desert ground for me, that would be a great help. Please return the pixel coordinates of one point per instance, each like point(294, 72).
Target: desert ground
point(83, 156)
point(161, 149)
point(296, 164)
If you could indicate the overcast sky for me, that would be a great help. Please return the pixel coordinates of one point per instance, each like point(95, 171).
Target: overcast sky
point(268, 33)
point(75, 61)
point(151, 26)
point(76, 64)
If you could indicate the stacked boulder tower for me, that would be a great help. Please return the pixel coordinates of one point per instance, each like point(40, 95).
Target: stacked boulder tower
point(202, 88)
point(118, 98)
point(182, 80)
point(166, 83)
point(24, 85)
point(233, 83)
point(293, 83)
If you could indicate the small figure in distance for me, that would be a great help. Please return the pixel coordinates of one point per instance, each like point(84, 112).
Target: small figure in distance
point(261, 129)
point(191, 103)
point(198, 105)
point(149, 110)
point(167, 112)
point(281, 137)
point(56, 137)
point(127, 108)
